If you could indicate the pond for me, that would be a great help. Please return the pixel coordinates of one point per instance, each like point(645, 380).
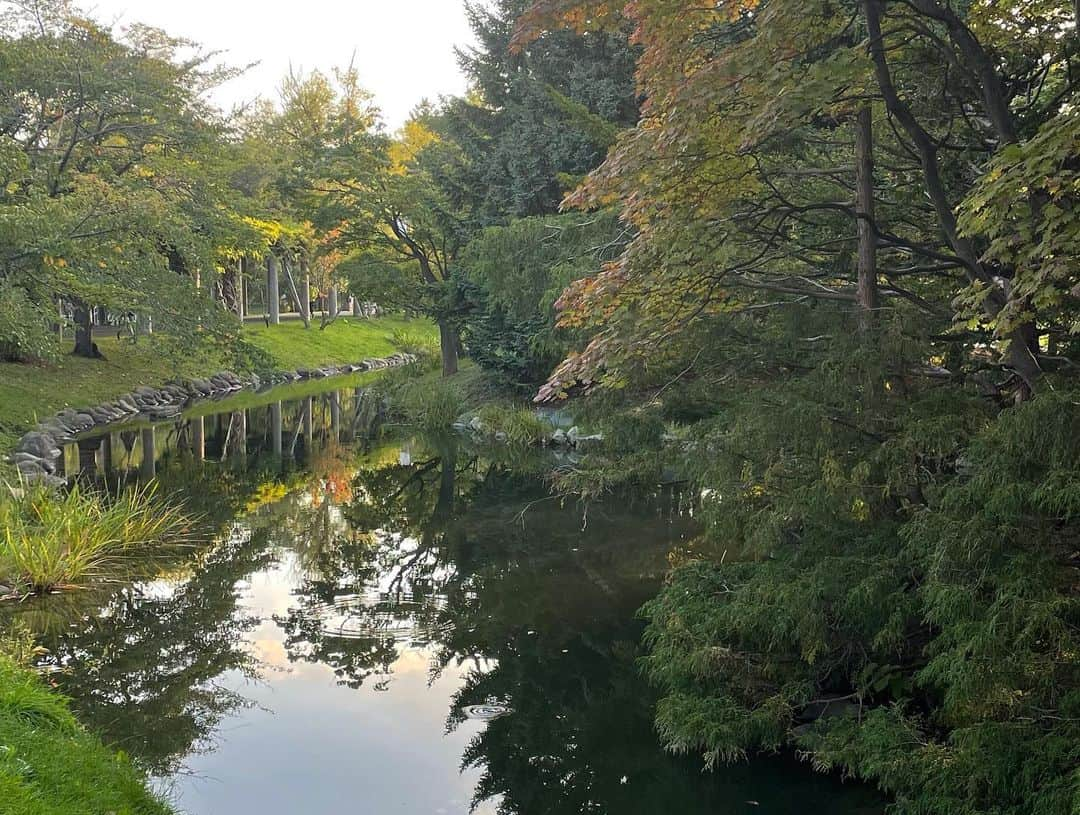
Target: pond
point(386, 624)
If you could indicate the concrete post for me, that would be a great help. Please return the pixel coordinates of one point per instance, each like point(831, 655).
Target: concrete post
point(245, 271)
point(305, 291)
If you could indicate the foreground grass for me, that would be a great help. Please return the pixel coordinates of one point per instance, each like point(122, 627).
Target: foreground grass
point(50, 766)
point(29, 393)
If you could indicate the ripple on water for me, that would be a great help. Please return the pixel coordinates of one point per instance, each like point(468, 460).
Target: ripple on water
point(376, 614)
point(485, 713)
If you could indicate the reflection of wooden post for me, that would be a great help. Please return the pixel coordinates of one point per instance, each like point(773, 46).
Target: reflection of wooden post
point(148, 467)
point(335, 414)
point(198, 438)
point(238, 427)
point(309, 428)
point(275, 427)
point(106, 454)
point(88, 449)
point(273, 298)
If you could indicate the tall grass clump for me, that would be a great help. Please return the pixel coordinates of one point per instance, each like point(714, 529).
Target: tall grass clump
point(521, 425)
point(50, 540)
point(424, 344)
point(433, 404)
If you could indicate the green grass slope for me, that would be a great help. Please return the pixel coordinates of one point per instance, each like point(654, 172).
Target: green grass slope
point(49, 765)
point(29, 393)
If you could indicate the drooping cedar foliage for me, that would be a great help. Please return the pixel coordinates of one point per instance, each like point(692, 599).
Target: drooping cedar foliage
point(855, 225)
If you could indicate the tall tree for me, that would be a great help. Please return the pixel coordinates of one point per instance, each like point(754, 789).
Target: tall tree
point(104, 198)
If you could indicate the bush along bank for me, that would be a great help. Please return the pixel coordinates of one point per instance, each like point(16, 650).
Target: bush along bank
point(37, 454)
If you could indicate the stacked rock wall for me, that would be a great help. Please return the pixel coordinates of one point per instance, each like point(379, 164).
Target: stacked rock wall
point(37, 454)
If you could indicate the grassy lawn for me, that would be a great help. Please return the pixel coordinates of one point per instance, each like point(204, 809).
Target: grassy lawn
point(29, 393)
point(50, 766)
point(292, 346)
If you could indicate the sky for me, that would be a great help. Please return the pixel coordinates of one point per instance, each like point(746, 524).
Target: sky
point(404, 49)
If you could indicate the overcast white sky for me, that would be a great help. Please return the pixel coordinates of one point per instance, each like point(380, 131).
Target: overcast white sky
point(404, 48)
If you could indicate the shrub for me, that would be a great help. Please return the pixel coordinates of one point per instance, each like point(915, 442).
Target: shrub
point(423, 344)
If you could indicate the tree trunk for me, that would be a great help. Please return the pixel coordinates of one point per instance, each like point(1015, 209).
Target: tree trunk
point(245, 271)
point(448, 342)
point(273, 298)
point(295, 293)
point(230, 289)
point(1022, 353)
point(84, 334)
point(332, 301)
point(864, 212)
point(305, 290)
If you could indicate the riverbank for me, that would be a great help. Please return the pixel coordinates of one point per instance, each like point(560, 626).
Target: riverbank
point(29, 393)
point(50, 765)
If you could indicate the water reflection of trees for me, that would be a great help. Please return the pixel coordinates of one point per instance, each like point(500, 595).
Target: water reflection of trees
point(143, 673)
point(144, 663)
point(483, 565)
point(478, 562)
point(463, 555)
point(362, 602)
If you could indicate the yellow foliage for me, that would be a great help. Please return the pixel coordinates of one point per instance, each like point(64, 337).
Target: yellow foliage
point(412, 139)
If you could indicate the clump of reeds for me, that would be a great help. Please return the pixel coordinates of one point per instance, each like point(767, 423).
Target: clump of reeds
point(51, 540)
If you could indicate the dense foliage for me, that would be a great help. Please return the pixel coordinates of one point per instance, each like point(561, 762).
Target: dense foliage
point(854, 266)
point(512, 275)
point(829, 246)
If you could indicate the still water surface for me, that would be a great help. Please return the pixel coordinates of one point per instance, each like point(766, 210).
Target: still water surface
point(387, 625)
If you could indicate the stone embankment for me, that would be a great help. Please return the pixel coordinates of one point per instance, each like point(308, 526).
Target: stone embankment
point(37, 454)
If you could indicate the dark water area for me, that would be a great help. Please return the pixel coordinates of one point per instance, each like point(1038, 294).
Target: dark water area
point(386, 625)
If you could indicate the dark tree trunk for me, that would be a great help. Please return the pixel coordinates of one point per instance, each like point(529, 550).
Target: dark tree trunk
point(864, 211)
point(1022, 353)
point(84, 334)
point(448, 342)
point(230, 289)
